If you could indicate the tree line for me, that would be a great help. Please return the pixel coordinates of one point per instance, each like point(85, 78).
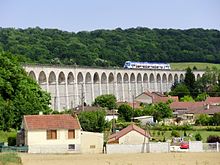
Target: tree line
point(111, 47)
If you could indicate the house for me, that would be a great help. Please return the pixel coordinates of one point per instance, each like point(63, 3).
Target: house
point(58, 134)
point(132, 134)
point(111, 114)
point(154, 97)
point(213, 100)
point(144, 120)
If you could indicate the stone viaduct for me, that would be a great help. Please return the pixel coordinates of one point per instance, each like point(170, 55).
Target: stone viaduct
point(73, 86)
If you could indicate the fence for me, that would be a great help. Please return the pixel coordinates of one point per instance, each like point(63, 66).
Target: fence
point(211, 147)
point(13, 148)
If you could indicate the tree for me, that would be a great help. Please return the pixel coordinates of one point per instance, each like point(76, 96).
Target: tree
point(203, 119)
point(181, 90)
point(213, 139)
point(93, 121)
point(125, 112)
point(106, 101)
point(189, 80)
point(187, 99)
point(216, 119)
point(201, 97)
point(19, 94)
point(198, 137)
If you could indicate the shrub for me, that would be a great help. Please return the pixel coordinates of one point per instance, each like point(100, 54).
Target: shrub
point(198, 137)
point(175, 133)
point(213, 139)
point(12, 141)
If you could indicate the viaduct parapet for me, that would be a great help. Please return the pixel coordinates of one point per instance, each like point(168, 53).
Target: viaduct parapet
point(73, 86)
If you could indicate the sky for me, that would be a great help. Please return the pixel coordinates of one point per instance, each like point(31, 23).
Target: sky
point(88, 15)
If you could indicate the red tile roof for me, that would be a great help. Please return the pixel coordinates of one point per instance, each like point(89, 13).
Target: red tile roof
point(208, 109)
point(213, 100)
point(65, 121)
point(186, 105)
point(126, 130)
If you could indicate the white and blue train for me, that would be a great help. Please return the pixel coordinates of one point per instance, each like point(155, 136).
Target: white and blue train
point(146, 65)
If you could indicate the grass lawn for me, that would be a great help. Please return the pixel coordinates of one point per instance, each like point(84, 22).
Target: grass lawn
point(10, 158)
point(159, 135)
point(199, 66)
point(4, 135)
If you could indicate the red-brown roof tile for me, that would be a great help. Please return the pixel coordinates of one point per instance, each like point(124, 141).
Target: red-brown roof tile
point(213, 100)
point(186, 105)
point(65, 121)
point(126, 130)
point(207, 109)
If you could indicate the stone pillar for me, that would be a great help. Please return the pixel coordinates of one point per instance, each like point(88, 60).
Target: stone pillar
point(67, 94)
point(100, 88)
point(107, 84)
point(92, 84)
point(115, 86)
point(76, 94)
point(123, 92)
point(130, 92)
point(57, 98)
point(136, 89)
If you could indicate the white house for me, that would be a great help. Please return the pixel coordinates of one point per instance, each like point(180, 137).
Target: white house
point(132, 134)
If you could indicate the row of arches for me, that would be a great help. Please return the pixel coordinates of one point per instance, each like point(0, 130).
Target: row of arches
point(70, 89)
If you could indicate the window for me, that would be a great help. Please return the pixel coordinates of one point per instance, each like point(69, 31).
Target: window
point(51, 134)
point(92, 146)
point(71, 146)
point(71, 134)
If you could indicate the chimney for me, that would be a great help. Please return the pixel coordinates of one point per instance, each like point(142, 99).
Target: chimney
point(207, 107)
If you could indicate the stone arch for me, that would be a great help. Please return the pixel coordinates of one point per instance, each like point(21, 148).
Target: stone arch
point(103, 78)
point(164, 78)
point(111, 83)
point(181, 77)
point(164, 83)
point(132, 78)
point(70, 78)
point(139, 78)
point(139, 84)
point(88, 78)
point(80, 78)
point(52, 78)
point(152, 81)
point(32, 75)
point(111, 78)
point(96, 78)
point(198, 76)
point(119, 78)
point(42, 79)
point(125, 78)
point(170, 78)
point(145, 78)
point(176, 78)
point(104, 86)
point(61, 78)
point(159, 88)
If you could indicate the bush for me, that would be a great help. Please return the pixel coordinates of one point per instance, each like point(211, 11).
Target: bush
point(175, 133)
point(11, 141)
point(198, 137)
point(213, 139)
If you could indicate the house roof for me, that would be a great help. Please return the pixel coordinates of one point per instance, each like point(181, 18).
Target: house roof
point(64, 121)
point(186, 105)
point(208, 109)
point(213, 100)
point(126, 130)
point(158, 97)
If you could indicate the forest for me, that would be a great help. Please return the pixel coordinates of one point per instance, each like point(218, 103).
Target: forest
point(107, 48)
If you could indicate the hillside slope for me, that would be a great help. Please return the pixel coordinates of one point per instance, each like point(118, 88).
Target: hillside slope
point(111, 47)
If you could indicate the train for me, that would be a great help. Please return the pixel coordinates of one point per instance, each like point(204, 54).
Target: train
point(146, 65)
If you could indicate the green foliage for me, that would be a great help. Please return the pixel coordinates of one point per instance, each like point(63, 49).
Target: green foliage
point(198, 137)
point(187, 99)
point(213, 139)
point(111, 47)
point(180, 90)
point(19, 94)
point(175, 133)
point(203, 119)
point(106, 101)
point(189, 80)
point(125, 112)
point(93, 121)
point(12, 141)
point(201, 97)
point(216, 119)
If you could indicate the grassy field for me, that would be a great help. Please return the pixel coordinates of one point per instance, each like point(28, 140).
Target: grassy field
point(10, 158)
point(199, 66)
point(159, 135)
point(4, 135)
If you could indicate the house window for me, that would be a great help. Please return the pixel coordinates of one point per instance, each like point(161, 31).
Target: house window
point(71, 146)
point(51, 134)
point(92, 146)
point(71, 134)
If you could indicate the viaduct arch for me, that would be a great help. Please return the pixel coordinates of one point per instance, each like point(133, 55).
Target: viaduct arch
point(71, 86)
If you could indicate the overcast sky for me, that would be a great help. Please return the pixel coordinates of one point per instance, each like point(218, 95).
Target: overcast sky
point(79, 15)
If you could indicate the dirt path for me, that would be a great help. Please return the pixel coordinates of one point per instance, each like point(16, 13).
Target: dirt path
point(123, 159)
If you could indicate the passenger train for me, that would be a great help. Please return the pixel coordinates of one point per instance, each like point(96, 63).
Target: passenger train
point(146, 65)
